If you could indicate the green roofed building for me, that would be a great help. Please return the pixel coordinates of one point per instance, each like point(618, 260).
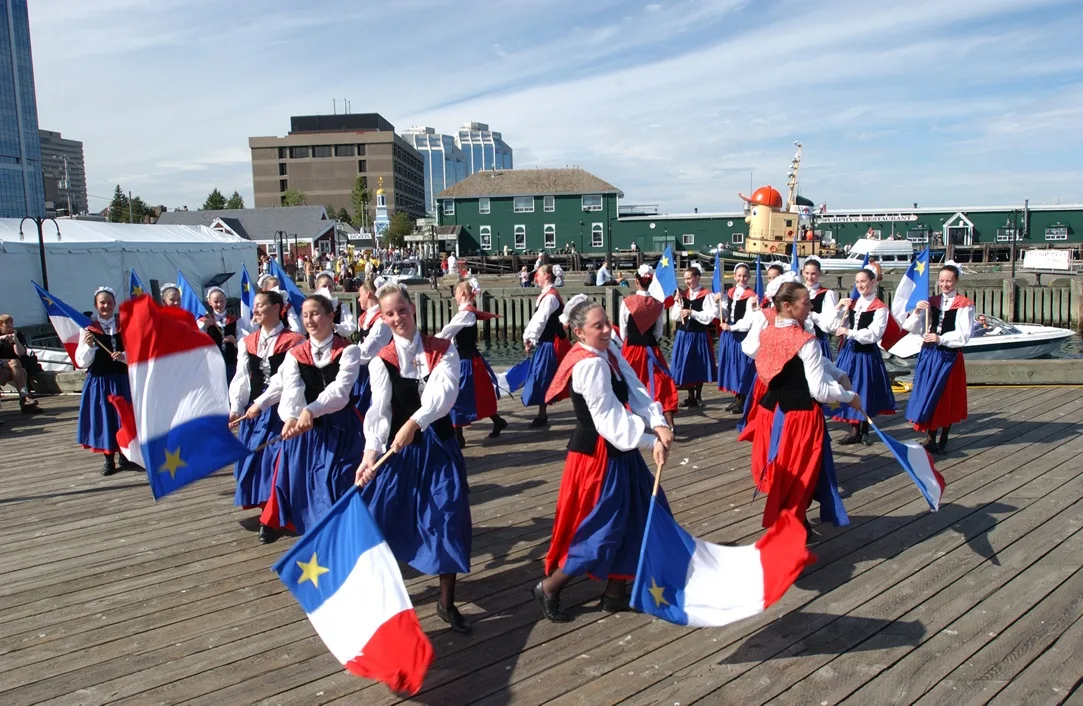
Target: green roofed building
point(531, 210)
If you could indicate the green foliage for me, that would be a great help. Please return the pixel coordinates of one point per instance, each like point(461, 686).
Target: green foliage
point(360, 196)
point(401, 225)
point(215, 201)
point(119, 211)
point(293, 197)
point(235, 201)
point(343, 215)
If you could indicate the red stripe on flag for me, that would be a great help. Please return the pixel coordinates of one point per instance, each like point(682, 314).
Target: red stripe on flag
point(783, 556)
point(893, 334)
point(126, 434)
point(398, 654)
point(151, 331)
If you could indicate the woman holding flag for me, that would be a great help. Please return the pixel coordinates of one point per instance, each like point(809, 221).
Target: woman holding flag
point(321, 429)
point(545, 337)
point(866, 321)
point(477, 388)
point(938, 399)
point(222, 328)
point(693, 354)
point(256, 387)
point(605, 491)
point(736, 315)
point(642, 322)
point(101, 353)
point(825, 312)
point(791, 455)
point(419, 496)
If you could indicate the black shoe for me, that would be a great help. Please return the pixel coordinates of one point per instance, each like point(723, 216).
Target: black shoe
point(550, 607)
point(454, 618)
point(31, 408)
point(540, 421)
point(109, 466)
point(268, 535)
point(126, 465)
point(499, 425)
point(690, 402)
point(941, 448)
point(930, 446)
point(867, 439)
point(615, 605)
point(849, 440)
point(735, 407)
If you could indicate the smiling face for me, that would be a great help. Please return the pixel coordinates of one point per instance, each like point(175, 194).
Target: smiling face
point(691, 279)
point(864, 283)
point(316, 320)
point(105, 304)
point(265, 313)
point(596, 330)
point(398, 314)
point(740, 276)
point(811, 273)
point(946, 281)
point(217, 300)
point(773, 272)
point(171, 297)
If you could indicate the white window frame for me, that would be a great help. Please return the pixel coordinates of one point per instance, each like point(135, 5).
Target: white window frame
point(484, 206)
point(549, 204)
point(520, 230)
point(522, 209)
point(597, 235)
point(923, 238)
point(967, 231)
point(592, 207)
point(1004, 235)
point(737, 238)
point(324, 247)
point(547, 230)
point(1056, 233)
point(485, 235)
point(688, 238)
point(449, 207)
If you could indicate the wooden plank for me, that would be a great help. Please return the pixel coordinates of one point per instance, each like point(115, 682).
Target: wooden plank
point(1051, 677)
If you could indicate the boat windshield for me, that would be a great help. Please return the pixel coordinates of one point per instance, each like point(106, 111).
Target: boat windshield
point(988, 325)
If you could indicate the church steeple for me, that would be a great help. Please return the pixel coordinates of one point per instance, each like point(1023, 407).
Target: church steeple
point(382, 221)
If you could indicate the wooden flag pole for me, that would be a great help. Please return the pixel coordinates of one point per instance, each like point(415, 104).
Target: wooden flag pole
point(657, 480)
point(380, 462)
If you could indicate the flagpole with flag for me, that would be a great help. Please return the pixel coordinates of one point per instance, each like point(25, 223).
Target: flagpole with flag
point(716, 283)
point(135, 286)
point(248, 298)
point(795, 263)
point(759, 281)
point(913, 288)
point(664, 284)
point(68, 323)
point(191, 301)
point(297, 297)
point(918, 464)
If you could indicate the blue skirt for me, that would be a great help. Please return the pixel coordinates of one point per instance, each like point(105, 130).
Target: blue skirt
point(825, 343)
point(733, 364)
point(98, 420)
point(932, 396)
point(317, 468)
point(478, 392)
point(869, 379)
point(607, 542)
point(748, 383)
point(420, 501)
point(362, 391)
point(255, 474)
point(693, 361)
point(543, 366)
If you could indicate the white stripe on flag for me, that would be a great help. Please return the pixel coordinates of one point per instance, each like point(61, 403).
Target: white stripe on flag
point(923, 472)
point(170, 390)
point(901, 297)
point(724, 584)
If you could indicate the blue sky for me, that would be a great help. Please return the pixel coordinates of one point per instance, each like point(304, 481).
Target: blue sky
point(940, 102)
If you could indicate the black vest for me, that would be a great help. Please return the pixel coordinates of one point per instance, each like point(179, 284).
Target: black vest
point(690, 324)
point(585, 436)
point(466, 342)
point(818, 301)
point(317, 379)
point(255, 375)
point(737, 311)
point(863, 321)
point(405, 400)
point(789, 389)
point(640, 338)
point(229, 350)
point(103, 363)
point(942, 322)
point(553, 328)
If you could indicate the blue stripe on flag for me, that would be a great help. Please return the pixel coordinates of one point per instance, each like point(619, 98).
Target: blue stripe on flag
point(297, 297)
point(899, 451)
point(664, 561)
point(190, 299)
point(55, 307)
point(190, 451)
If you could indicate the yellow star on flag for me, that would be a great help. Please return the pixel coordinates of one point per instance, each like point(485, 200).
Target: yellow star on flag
point(311, 571)
point(920, 267)
point(247, 287)
point(47, 301)
point(664, 262)
point(173, 461)
point(137, 291)
point(658, 593)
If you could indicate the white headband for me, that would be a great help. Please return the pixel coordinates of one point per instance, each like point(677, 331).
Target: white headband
point(774, 285)
point(572, 303)
point(99, 290)
point(958, 269)
point(475, 286)
point(325, 273)
point(744, 265)
point(212, 290)
point(645, 271)
point(167, 286)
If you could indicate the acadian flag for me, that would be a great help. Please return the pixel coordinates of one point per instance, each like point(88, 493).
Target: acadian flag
point(296, 296)
point(686, 581)
point(126, 438)
point(68, 323)
point(918, 465)
point(515, 377)
point(179, 396)
point(795, 263)
point(759, 280)
point(190, 299)
point(135, 286)
point(716, 283)
point(248, 297)
point(664, 284)
point(913, 288)
point(347, 581)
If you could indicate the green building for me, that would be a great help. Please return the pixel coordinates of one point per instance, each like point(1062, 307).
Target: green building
point(531, 210)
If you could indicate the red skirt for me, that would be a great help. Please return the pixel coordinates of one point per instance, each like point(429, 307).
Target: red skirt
point(952, 405)
point(790, 479)
point(665, 390)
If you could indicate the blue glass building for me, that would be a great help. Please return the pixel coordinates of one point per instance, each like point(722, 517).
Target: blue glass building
point(22, 190)
point(484, 149)
point(445, 163)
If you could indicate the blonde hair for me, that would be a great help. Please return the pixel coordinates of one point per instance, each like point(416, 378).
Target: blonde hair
point(4, 318)
point(465, 288)
point(390, 289)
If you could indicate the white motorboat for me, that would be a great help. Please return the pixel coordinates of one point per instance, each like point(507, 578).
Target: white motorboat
point(892, 255)
point(53, 360)
point(994, 339)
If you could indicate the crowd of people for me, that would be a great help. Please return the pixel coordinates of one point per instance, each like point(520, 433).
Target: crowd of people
point(369, 400)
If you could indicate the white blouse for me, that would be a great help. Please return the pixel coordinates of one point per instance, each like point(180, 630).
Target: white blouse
point(821, 374)
point(659, 325)
point(876, 329)
point(708, 314)
point(829, 317)
point(379, 334)
point(461, 320)
point(964, 323)
point(337, 393)
point(625, 429)
point(84, 353)
point(438, 393)
point(347, 325)
point(240, 387)
point(746, 322)
point(546, 306)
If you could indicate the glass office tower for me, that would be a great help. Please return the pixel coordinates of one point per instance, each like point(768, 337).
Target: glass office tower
point(445, 163)
point(484, 149)
point(21, 188)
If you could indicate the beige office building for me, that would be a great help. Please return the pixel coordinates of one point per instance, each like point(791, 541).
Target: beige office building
point(322, 156)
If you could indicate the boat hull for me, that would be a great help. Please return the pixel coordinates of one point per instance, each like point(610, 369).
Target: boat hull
point(1033, 342)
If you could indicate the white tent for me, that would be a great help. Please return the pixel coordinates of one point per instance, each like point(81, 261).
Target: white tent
point(89, 254)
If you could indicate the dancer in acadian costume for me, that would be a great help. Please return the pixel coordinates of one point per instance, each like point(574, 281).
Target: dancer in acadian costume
point(101, 353)
point(693, 353)
point(345, 321)
point(254, 394)
point(860, 359)
point(419, 496)
point(477, 387)
point(290, 318)
point(606, 487)
point(938, 399)
point(773, 271)
point(171, 295)
point(752, 388)
point(791, 451)
point(642, 321)
point(545, 336)
point(374, 335)
point(322, 442)
point(222, 328)
point(736, 319)
point(825, 312)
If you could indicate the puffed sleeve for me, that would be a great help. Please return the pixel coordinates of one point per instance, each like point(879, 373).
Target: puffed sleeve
point(875, 331)
point(536, 325)
point(378, 417)
point(626, 431)
point(639, 399)
point(964, 326)
point(709, 312)
point(745, 322)
point(458, 322)
point(337, 393)
point(240, 388)
point(751, 345)
point(624, 314)
point(379, 336)
point(441, 389)
point(84, 353)
point(347, 325)
point(821, 386)
point(292, 398)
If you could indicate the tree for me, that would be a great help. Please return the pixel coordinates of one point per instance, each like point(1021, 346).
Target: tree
point(235, 201)
point(401, 226)
point(215, 201)
point(293, 197)
point(360, 197)
point(343, 215)
point(118, 207)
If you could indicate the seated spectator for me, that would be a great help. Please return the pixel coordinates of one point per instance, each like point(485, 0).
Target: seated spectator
point(12, 353)
point(524, 277)
point(621, 282)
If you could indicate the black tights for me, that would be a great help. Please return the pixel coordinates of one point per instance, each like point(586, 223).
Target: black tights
point(447, 590)
point(943, 435)
point(553, 585)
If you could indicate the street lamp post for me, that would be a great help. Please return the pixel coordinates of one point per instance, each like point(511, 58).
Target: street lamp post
point(39, 221)
point(279, 236)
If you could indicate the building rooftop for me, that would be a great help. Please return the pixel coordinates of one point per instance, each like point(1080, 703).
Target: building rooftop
point(341, 122)
point(260, 224)
point(529, 182)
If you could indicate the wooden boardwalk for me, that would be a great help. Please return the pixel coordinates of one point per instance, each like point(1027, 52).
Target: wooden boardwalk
point(108, 597)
